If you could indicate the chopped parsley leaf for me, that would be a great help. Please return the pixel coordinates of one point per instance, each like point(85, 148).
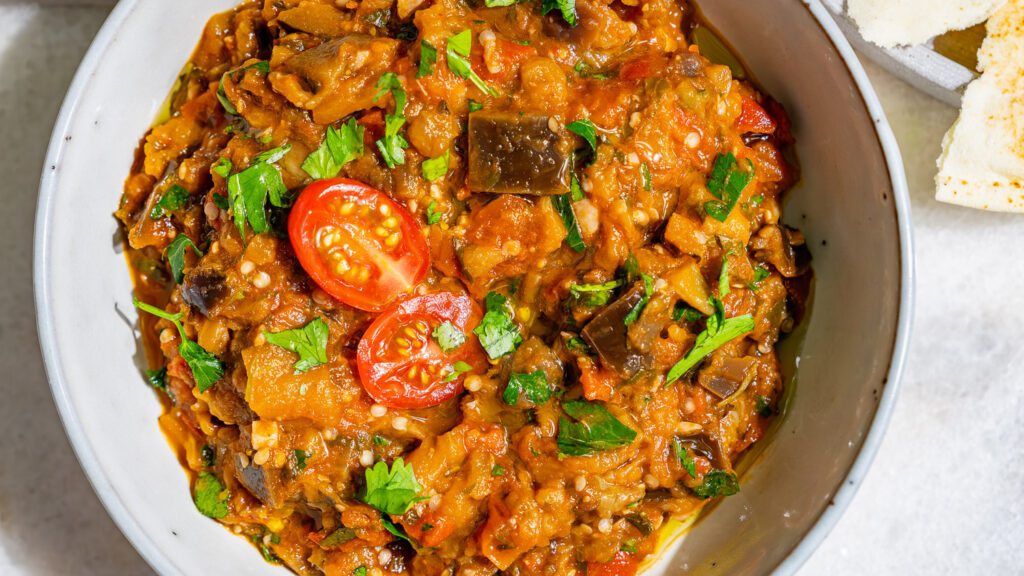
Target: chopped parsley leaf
point(474, 106)
point(586, 130)
point(723, 278)
point(174, 199)
point(222, 168)
point(726, 183)
point(760, 274)
point(434, 168)
point(433, 215)
point(248, 191)
point(392, 146)
point(718, 483)
point(533, 386)
point(647, 177)
point(458, 369)
point(594, 294)
point(497, 333)
point(567, 8)
point(206, 368)
point(391, 491)
point(718, 333)
point(428, 57)
point(457, 52)
point(309, 342)
point(157, 378)
point(689, 464)
point(634, 313)
point(300, 458)
point(448, 336)
point(175, 253)
point(359, 571)
point(590, 428)
point(210, 496)
point(498, 470)
point(340, 146)
point(763, 407)
point(574, 237)
point(681, 311)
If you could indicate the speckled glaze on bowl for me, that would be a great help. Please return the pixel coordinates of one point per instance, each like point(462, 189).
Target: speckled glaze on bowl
point(852, 204)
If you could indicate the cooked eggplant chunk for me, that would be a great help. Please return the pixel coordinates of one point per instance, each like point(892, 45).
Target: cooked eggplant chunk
point(256, 480)
point(514, 153)
point(203, 289)
point(606, 334)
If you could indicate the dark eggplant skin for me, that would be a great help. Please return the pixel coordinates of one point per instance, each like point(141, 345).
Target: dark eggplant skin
point(516, 153)
point(606, 334)
point(256, 480)
point(203, 289)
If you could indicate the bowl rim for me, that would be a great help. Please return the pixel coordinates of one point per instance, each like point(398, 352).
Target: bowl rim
point(157, 558)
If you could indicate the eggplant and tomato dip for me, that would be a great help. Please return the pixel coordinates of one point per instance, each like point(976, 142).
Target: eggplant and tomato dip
point(461, 288)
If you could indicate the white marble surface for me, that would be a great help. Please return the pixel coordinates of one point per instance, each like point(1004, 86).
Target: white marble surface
point(944, 496)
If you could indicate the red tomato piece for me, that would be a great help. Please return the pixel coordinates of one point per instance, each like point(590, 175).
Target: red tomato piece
point(401, 365)
point(753, 118)
point(623, 564)
point(357, 244)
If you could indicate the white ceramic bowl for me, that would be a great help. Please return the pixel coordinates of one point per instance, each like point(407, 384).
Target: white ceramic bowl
point(852, 204)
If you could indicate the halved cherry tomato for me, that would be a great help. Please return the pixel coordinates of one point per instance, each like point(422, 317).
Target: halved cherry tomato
point(753, 118)
point(402, 366)
point(357, 244)
point(623, 564)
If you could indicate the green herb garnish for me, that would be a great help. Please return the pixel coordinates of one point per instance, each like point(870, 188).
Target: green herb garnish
point(634, 313)
point(594, 294)
point(206, 368)
point(718, 332)
point(210, 496)
point(448, 336)
point(175, 253)
point(723, 278)
point(763, 407)
point(497, 333)
point(718, 483)
point(689, 464)
point(534, 386)
point(458, 369)
point(683, 312)
point(157, 378)
point(760, 274)
point(249, 189)
point(222, 168)
point(574, 237)
point(498, 470)
point(433, 216)
point(174, 199)
point(300, 458)
point(567, 8)
point(592, 428)
point(392, 491)
point(474, 106)
point(434, 168)
point(359, 571)
point(309, 342)
point(646, 177)
point(457, 51)
point(428, 57)
point(392, 146)
point(586, 130)
point(340, 146)
point(726, 183)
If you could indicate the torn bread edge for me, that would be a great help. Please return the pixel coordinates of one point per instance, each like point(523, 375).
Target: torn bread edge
point(891, 23)
point(982, 162)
